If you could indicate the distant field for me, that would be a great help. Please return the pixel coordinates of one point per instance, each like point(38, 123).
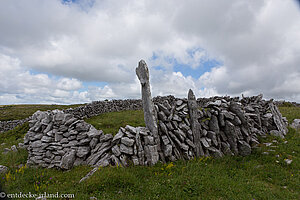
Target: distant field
point(12, 112)
point(111, 122)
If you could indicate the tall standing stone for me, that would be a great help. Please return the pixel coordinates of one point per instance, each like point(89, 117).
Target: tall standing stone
point(150, 117)
point(195, 125)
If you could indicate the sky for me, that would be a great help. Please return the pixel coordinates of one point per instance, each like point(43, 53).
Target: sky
point(79, 51)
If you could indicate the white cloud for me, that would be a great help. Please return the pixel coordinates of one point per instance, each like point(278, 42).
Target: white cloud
point(257, 41)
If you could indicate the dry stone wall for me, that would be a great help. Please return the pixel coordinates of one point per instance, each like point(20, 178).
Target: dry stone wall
point(9, 125)
point(223, 126)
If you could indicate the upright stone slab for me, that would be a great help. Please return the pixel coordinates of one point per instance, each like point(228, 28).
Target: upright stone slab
point(195, 125)
point(277, 117)
point(150, 117)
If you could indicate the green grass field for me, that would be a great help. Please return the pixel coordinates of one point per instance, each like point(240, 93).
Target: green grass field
point(257, 176)
point(12, 112)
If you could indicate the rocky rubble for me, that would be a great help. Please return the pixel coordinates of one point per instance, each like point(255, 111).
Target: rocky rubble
point(9, 125)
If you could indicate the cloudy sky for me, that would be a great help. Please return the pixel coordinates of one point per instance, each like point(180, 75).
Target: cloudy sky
point(76, 51)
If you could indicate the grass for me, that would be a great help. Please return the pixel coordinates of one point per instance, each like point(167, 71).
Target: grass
point(13, 112)
point(257, 176)
point(111, 122)
point(290, 113)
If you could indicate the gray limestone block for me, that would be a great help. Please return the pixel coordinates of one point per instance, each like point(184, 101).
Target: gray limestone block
point(276, 133)
point(212, 135)
point(94, 141)
point(68, 160)
point(118, 136)
point(149, 140)
point(82, 151)
point(135, 160)
point(127, 141)
point(164, 109)
point(168, 150)
point(169, 126)
point(228, 115)
point(85, 141)
point(214, 124)
point(94, 133)
point(177, 118)
point(179, 134)
point(161, 116)
point(123, 159)
point(131, 129)
point(106, 137)
point(204, 142)
point(82, 126)
point(66, 134)
point(165, 140)
point(215, 152)
point(126, 149)
point(244, 148)
point(190, 143)
point(81, 136)
point(116, 150)
point(221, 119)
point(226, 148)
point(167, 105)
point(163, 127)
point(36, 144)
point(179, 102)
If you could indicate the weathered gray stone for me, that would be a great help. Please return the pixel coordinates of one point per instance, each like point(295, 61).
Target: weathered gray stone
point(68, 160)
point(93, 142)
point(164, 109)
point(177, 118)
point(195, 126)
point(135, 160)
point(165, 139)
point(116, 150)
point(228, 115)
point(168, 150)
point(118, 136)
point(277, 117)
point(36, 144)
point(212, 135)
point(83, 151)
point(236, 109)
point(204, 142)
point(126, 149)
point(244, 148)
point(3, 169)
point(127, 141)
point(213, 124)
point(46, 139)
point(85, 141)
point(231, 136)
point(106, 137)
point(276, 133)
point(215, 152)
point(296, 124)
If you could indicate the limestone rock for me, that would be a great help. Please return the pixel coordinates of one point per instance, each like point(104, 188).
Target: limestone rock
point(68, 160)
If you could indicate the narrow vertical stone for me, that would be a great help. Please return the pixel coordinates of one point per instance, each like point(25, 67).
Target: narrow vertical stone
point(150, 117)
point(195, 125)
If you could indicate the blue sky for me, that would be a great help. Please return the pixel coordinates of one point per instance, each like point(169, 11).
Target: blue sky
point(89, 49)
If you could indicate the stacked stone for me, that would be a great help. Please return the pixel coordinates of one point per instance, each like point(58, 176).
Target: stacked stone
point(175, 132)
point(9, 125)
point(224, 126)
point(100, 107)
point(56, 139)
point(134, 145)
